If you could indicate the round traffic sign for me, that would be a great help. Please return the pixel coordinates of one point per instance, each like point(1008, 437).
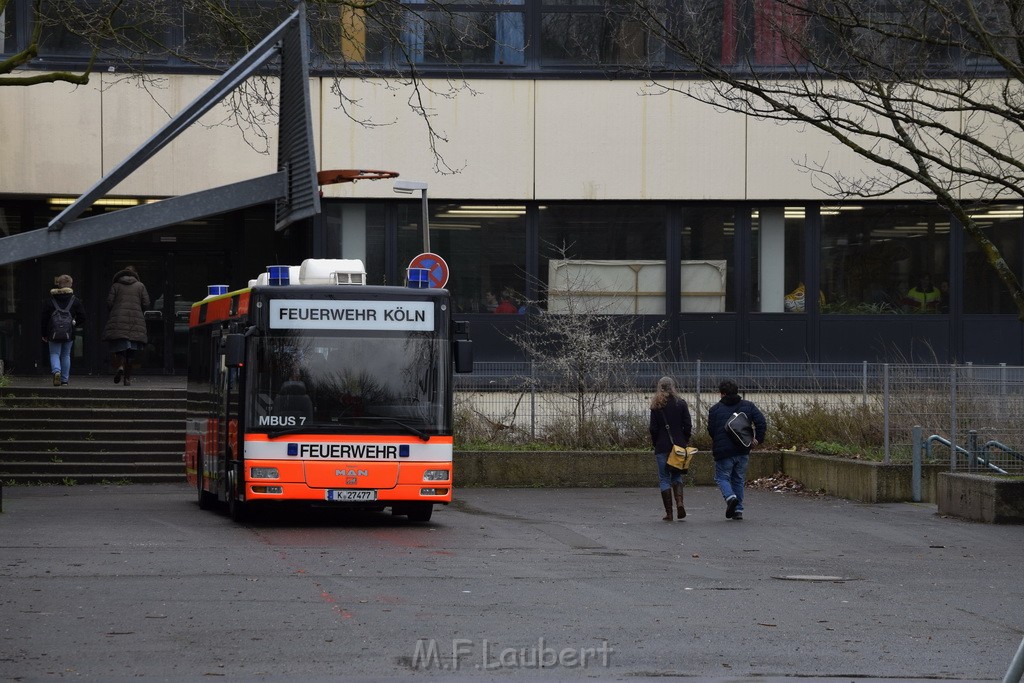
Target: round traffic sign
point(437, 269)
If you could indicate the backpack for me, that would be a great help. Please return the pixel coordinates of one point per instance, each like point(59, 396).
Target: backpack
point(62, 324)
point(740, 430)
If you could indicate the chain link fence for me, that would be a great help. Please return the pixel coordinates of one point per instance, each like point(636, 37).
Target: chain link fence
point(968, 415)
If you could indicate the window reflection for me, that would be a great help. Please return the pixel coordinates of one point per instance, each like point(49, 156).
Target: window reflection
point(884, 259)
point(707, 237)
point(474, 34)
point(983, 291)
point(614, 240)
point(778, 259)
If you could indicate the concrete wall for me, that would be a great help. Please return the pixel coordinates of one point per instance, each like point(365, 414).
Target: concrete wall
point(863, 480)
point(585, 470)
point(981, 498)
point(508, 139)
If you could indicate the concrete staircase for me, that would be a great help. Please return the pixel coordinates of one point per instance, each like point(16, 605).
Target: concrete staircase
point(95, 434)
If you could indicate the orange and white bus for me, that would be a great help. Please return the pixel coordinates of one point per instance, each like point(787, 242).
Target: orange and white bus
point(302, 389)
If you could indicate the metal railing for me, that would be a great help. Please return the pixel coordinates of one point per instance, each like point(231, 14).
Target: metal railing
point(876, 405)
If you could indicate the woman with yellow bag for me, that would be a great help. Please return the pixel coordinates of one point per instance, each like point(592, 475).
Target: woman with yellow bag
point(670, 428)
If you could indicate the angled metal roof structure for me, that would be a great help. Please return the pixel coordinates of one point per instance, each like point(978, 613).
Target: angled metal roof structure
point(293, 187)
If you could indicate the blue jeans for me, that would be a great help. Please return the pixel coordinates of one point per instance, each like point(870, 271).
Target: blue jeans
point(665, 480)
point(60, 358)
point(731, 475)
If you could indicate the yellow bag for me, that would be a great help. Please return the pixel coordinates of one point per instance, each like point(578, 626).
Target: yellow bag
point(680, 457)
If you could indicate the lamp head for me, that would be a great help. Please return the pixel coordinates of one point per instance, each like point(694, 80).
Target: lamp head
point(409, 186)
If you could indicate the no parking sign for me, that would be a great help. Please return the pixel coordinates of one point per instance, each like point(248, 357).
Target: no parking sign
point(437, 269)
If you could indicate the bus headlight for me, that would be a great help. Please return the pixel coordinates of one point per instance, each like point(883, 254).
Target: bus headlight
point(435, 475)
point(268, 489)
point(264, 473)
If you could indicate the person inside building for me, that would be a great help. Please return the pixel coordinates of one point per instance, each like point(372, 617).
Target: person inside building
point(923, 297)
point(62, 312)
point(507, 304)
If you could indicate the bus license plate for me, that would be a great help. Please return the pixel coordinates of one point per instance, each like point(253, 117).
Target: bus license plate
point(351, 495)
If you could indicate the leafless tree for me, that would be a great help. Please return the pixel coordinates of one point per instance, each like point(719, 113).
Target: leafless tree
point(931, 92)
point(581, 349)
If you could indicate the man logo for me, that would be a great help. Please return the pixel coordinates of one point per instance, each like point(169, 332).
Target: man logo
point(351, 473)
point(351, 480)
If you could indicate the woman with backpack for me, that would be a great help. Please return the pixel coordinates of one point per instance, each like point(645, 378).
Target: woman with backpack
point(61, 313)
point(126, 326)
point(670, 426)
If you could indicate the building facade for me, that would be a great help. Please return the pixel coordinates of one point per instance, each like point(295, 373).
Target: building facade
point(547, 175)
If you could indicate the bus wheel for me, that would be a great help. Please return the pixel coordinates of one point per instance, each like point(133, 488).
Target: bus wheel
point(205, 498)
point(420, 512)
point(236, 507)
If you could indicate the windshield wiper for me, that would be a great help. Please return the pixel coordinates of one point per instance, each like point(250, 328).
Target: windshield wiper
point(335, 429)
point(341, 429)
point(407, 427)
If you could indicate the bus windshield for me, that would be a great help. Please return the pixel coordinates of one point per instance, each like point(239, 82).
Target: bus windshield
point(367, 382)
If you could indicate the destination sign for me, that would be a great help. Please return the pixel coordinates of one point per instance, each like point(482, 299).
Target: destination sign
point(303, 314)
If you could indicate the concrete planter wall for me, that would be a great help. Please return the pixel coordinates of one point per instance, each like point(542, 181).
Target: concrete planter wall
point(863, 480)
point(982, 498)
point(585, 470)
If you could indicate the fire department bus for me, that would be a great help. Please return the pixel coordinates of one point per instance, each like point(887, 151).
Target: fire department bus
point(311, 386)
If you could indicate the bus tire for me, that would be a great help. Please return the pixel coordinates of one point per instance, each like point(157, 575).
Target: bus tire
point(420, 512)
point(205, 498)
point(236, 507)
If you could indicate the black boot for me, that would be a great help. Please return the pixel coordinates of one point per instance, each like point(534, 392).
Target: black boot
point(118, 367)
point(677, 489)
point(666, 498)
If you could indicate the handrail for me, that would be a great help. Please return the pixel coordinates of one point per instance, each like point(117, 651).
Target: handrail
point(963, 451)
point(1004, 448)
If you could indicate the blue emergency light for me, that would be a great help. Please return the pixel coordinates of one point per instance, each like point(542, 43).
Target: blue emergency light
point(418, 278)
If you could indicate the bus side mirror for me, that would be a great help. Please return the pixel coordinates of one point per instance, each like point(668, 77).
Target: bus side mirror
point(234, 350)
point(463, 355)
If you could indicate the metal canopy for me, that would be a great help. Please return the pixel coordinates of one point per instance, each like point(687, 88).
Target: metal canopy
point(293, 187)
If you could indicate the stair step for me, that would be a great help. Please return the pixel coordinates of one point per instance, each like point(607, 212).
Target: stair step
point(64, 435)
point(166, 453)
point(101, 403)
point(91, 415)
point(76, 467)
point(57, 435)
point(93, 478)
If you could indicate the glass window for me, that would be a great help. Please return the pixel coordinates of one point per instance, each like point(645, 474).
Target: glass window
point(707, 250)
point(446, 34)
point(884, 258)
point(10, 224)
point(377, 381)
point(131, 30)
point(484, 246)
point(596, 38)
point(356, 231)
point(778, 259)
point(984, 292)
point(615, 238)
point(8, 28)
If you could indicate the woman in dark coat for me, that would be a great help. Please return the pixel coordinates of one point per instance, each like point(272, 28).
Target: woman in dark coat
point(126, 326)
point(669, 412)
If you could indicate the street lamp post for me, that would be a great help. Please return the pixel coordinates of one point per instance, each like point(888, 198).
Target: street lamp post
point(408, 187)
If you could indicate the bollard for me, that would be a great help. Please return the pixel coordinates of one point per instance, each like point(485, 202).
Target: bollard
point(1016, 670)
point(972, 450)
point(915, 482)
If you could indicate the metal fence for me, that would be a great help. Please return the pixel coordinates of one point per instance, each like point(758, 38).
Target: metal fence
point(969, 415)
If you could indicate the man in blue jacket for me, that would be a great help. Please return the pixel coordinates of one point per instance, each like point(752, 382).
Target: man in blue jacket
point(732, 453)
